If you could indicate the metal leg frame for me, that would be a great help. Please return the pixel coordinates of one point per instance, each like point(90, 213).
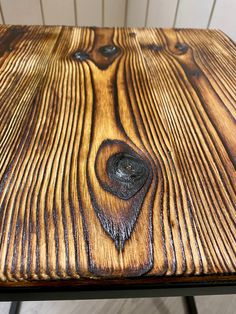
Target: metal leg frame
point(190, 305)
point(15, 307)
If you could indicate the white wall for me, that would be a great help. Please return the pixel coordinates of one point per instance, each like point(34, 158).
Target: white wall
point(140, 13)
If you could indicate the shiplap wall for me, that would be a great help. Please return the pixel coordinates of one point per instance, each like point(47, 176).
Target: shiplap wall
point(137, 13)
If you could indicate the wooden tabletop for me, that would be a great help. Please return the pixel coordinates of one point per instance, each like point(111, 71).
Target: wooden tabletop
point(117, 154)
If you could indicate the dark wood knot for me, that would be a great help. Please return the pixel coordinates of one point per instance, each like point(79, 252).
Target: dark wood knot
point(81, 55)
point(17, 29)
point(181, 47)
point(197, 73)
point(155, 47)
point(129, 172)
point(126, 174)
point(109, 50)
point(132, 34)
point(152, 47)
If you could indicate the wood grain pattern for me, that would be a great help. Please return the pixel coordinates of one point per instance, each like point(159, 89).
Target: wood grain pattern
point(118, 153)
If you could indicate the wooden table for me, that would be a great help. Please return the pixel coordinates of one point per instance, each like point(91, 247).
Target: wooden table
point(117, 162)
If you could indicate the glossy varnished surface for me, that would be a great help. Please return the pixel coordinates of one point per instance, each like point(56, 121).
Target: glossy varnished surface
point(117, 153)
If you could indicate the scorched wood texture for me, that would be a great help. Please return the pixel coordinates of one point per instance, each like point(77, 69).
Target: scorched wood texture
point(117, 153)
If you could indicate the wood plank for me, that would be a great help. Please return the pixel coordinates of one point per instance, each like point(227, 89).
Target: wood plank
point(22, 70)
point(193, 13)
point(117, 154)
point(216, 67)
point(22, 12)
point(136, 13)
point(161, 13)
point(87, 16)
point(224, 17)
point(114, 12)
point(58, 12)
point(202, 142)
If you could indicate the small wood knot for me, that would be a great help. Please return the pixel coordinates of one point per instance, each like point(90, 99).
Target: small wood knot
point(155, 47)
point(81, 55)
point(196, 73)
point(130, 172)
point(132, 34)
point(17, 30)
point(181, 47)
point(109, 50)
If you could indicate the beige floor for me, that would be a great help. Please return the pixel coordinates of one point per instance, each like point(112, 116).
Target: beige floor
point(206, 305)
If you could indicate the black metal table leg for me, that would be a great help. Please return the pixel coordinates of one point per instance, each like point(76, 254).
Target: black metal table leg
point(15, 307)
point(190, 305)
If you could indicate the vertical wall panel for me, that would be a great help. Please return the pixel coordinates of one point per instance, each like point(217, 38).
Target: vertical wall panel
point(1, 19)
point(89, 12)
point(22, 11)
point(194, 13)
point(59, 12)
point(224, 17)
point(161, 13)
point(114, 12)
point(136, 13)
